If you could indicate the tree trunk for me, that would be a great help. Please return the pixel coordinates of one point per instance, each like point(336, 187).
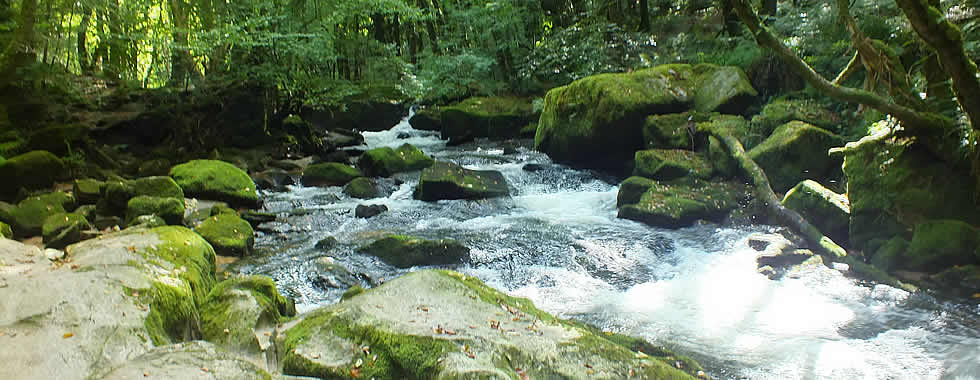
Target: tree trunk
point(769, 7)
point(19, 51)
point(84, 64)
point(180, 60)
point(644, 16)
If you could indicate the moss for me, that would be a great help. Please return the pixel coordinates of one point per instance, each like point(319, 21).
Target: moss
point(667, 164)
point(189, 253)
point(407, 251)
point(680, 203)
point(823, 208)
point(219, 209)
point(352, 292)
point(797, 151)
point(329, 174)
point(119, 193)
point(670, 131)
point(940, 244)
point(383, 162)
point(60, 230)
point(33, 170)
point(632, 189)
point(224, 309)
point(5, 231)
point(88, 191)
point(427, 119)
point(782, 111)
point(721, 160)
point(173, 314)
point(362, 188)
point(889, 255)
point(229, 234)
point(170, 210)
point(722, 88)
point(146, 221)
point(445, 180)
point(27, 218)
point(218, 180)
point(497, 117)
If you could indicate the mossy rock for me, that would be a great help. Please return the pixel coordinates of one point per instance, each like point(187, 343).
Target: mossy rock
point(499, 117)
point(721, 160)
point(825, 209)
point(383, 162)
point(186, 361)
point(5, 231)
point(632, 189)
point(672, 131)
point(58, 139)
point(782, 111)
point(170, 210)
point(146, 221)
point(797, 151)
point(406, 251)
point(63, 229)
point(238, 310)
point(889, 256)
point(427, 119)
point(388, 333)
point(445, 180)
point(28, 216)
point(329, 174)
point(229, 234)
point(597, 121)
point(32, 170)
point(361, 188)
point(217, 180)
point(682, 202)
point(668, 164)
point(940, 244)
point(88, 191)
point(893, 184)
point(117, 194)
point(963, 280)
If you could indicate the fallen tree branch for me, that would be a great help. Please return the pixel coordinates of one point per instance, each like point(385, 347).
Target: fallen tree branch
point(820, 243)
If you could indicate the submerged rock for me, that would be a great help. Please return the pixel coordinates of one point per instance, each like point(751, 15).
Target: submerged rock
point(679, 203)
point(797, 151)
point(329, 174)
point(383, 162)
point(825, 209)
point(330, 274)
point(216, 180)
point(407, 251)
point(229, 234)
point(368, 211)
point(445, 180)
point(458, 328)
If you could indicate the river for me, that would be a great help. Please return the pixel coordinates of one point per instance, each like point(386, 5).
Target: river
point(557, 241)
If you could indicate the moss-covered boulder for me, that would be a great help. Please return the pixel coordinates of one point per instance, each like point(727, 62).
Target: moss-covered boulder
point(893, 184)
point(962, 280)
point(170, 210)
point(229, 234)
point(597, 121)
point(28, 216)
point(632, 189)
point(88, 191)
point(407, 251)
point(498, 117)
point(329, 174)
point(427, 119)
point(940, 244)
point(823, 208)
point(383, 162)
point(58, 139)
point(797, 151)
point(239, 311)
point(117, 194)
point(667, 164)
point(362, 188)
point(722, 162)
point(680, 203)
point(5, 231)
point(889, 255)
point(445, 180)
point(217, 180)
point(60, 230)
point(32, 170)
point(671, 131)
point(455, 330)
point(782, 111)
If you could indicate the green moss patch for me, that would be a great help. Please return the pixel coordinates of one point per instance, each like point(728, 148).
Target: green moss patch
point(329, 174)
point(940, 244)
point(667, 164)
point(217, 180)
point(362, 188)
point(5, 231)
point(383, 162)
point(445, 180)
point(680, 203)
point(32, 170)
point(825, 209)
point(229, 234)
point(797, 151)
point(27, 218)
point(60, 230)
point(407, 251)
point(170, 210)
point(241, 306)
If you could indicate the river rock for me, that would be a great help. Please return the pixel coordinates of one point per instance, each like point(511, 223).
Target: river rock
point(185, 361)
point(255, 218)
point(444, 180)
point(60, 230)
point(28, 216)
point(458, 328)
point(88, 191)
point(893, 184)
point(216, 180)
point(229, 234)
point(940, 244)
point(273, 179)
point(32, 170)
point(499, 117)
point(668, 164)
point(427, 119)
point(962, 280)
point(120, 295)
point(383, 162)
point(329, 174)
point(240, 311)
point(672, 131)
point(5, 231)
point(406, 251)
point(825, 209)
point(797, 151)
point(170, 210)
point(679, 203)
point(368, 211)
point(361, 188)
point(782, 111)
point(331, 274)
point(597, 121)
point(117, 194)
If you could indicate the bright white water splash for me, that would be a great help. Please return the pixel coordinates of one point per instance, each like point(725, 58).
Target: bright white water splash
point(558, 242)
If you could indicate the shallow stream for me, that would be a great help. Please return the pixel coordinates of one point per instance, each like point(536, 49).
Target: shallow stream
point(557, 241)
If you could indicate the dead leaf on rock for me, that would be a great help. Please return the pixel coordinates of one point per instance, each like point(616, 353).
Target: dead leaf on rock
point(67, 335)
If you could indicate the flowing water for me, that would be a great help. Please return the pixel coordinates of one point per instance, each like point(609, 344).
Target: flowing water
point(557, 241)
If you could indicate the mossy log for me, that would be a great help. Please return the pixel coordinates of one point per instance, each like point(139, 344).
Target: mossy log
point(774, 207)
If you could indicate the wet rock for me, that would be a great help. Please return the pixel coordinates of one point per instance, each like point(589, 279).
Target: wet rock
point(940, 244)
point(28, 216)
point(531, 168)
point(255, 218)
point(186, 361)
point(229, 234)
point(329, 174)
point(330, 274)
point(679, 203)
point(361, 188)
point(170, 210)
point(963, 280)
point(667, 164)
point(61, 230)
point(88, 191)
point(403, 135)
point(117, 194)
point(383, 162)
point(632, 189)
point(407, 251)
point(273, 179)
point(797, 151)
point(445, 180)
point(326, 243)
point(825, 209)
point(368, 211)
point(238, 312)
point(216, 180)
point(777, 254)
point(427, 119)
point(456, 331)
point(32, 170)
